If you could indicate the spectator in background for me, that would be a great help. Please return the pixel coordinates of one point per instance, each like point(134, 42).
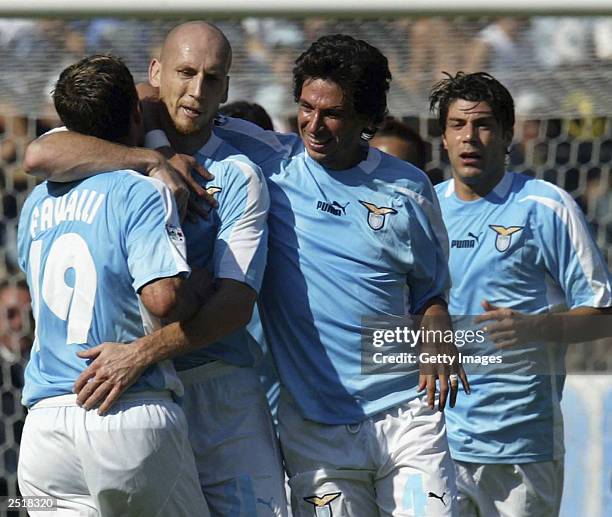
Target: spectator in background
point(561, 40)
point(250, 111)
point(496, 46)
point(14, 132)
point(16, 324)
point(271, 46)
point(16, 336)
point(398, 139)
point(429, 56)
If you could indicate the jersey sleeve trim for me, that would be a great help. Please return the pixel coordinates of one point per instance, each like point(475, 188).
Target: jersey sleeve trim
point(587, 255)
point(248, 231)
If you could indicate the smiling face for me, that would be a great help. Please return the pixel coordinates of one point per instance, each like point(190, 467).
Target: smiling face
point(329, 126)
point(476, 145)
point(192, 77)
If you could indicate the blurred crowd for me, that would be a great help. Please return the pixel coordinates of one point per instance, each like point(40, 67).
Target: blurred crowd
point(542, 59)
point(558, 69)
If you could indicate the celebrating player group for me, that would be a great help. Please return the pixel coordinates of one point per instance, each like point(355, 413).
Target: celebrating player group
point(162, 225)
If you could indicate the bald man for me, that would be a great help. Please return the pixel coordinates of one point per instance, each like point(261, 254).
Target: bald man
point(230, 427)
point(192, 78)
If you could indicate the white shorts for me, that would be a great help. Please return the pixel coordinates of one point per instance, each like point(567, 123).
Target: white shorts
point(396, 463)
point(522, 490)
point(134, 461)
point(233, 439)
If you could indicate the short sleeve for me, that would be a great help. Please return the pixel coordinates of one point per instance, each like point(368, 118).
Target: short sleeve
point(154, 240)
point(429, 276)
point(570, 253)
point(241, 243)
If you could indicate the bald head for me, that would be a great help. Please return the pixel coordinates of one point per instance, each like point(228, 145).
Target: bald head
point(200, 35)
point(192, 77)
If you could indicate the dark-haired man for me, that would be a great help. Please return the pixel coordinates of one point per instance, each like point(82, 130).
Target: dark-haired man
point(103, 258)
point(525, 251)
point(349, 227)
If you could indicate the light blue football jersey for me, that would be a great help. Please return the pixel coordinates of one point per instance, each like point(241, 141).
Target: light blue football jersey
point(87, 248)
point(231, 242)
point(525, 246)
point(342, 246)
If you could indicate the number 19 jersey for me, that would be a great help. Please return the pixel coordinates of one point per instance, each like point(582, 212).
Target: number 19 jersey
point(87, 249)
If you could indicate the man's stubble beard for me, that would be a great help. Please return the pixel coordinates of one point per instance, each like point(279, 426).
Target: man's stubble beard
point(187, 131)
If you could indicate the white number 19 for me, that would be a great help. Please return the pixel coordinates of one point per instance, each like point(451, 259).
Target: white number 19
point(73, 304)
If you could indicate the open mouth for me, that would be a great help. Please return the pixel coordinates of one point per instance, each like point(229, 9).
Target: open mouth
point(470, 158)
point(191, 112)
point(317, 144)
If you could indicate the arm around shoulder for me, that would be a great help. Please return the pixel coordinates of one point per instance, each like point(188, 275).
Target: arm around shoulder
point(65, 156)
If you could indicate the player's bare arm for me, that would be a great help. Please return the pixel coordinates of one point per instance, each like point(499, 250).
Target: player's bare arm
point(175, 299)
point(53, 157)
point(116, 366)
point(435, 316)
point(166, 299)
point(508, 327)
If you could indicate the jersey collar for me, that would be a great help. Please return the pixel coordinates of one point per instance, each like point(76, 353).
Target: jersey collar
point(500, 190)
point(209, 148)
point(367, 166)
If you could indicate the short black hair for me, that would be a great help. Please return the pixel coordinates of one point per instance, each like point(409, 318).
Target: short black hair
point(394, 127)
point(356, 66)
point(250, 111)
point(96, 96)
point(476, 87)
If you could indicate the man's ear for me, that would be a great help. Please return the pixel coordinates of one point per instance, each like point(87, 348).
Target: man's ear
point(444, 142)
point(154, 73)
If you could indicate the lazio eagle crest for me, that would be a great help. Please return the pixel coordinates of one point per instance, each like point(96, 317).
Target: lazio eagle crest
point(377, 215)
point(504, 235)
point(322, 505)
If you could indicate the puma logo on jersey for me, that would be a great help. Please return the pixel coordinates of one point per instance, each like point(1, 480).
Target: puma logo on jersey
point(322, 504)
point(504, 235)
point(436, 496)
point(333, 208)
point(377, 214)
point(466, 243)
point(213, 190)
